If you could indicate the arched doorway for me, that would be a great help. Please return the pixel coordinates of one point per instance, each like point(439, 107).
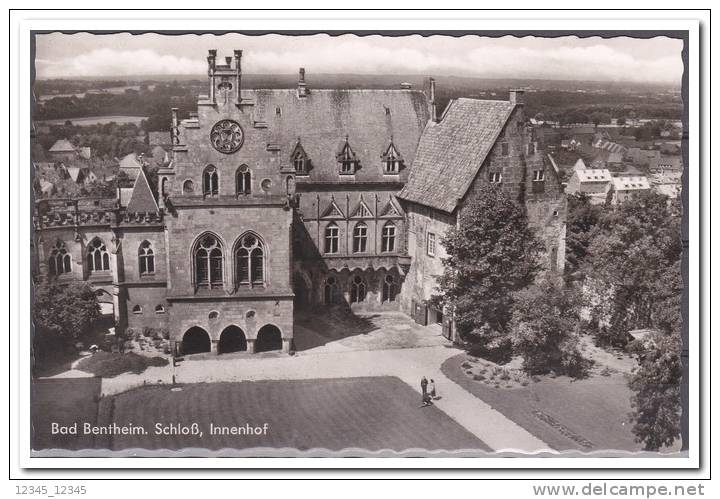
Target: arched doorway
point(195, 340)
point(269, 338)
point(232, 339)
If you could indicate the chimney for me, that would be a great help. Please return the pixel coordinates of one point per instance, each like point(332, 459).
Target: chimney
point(517, 96)
point(433, 105)
point(212, 54)
point(238, 74)
point(301, 86)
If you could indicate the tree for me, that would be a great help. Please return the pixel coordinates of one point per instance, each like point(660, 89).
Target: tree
point(633, 267)
point(63, 311)
point(582, 218)
point(544, 323)
point(492, 254)
point(656, 406)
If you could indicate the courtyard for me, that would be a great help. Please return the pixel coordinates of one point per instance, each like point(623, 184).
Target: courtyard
point(354, 383)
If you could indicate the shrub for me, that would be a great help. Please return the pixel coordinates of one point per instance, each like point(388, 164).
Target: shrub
point(478, 377)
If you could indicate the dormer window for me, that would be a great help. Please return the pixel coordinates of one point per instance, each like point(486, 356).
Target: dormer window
point(347, 158)
point(392, 160)
point(300, 160)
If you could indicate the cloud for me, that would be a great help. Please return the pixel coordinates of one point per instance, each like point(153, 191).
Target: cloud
point(468, 56)
point(111, 62)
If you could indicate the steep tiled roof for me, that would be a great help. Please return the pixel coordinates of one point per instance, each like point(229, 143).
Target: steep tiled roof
point(62, 145)
point(142, 199)
point(322, 120)
point(452, 151)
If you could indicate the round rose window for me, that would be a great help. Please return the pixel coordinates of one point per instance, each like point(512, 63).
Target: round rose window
point(226, 136)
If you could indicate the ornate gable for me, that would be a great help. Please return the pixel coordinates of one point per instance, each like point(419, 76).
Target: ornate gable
point(362, 210)
point(333, 212)
point(391, 210)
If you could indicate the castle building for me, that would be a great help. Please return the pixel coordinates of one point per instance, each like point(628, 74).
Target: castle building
point(277, 199)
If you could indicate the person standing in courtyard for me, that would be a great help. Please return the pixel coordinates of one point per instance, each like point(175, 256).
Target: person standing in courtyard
point(433, 393)
point(425, 396)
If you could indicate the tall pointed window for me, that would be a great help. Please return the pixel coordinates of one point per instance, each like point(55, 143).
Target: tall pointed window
point(243, 185)
point(209, 263)
point(59, 261)
point(299, 159)
point(389, 290)
point(250, 261)
point(331, 292)
point(388, 238)
point(360, 238)
point(210, 181)
point(358, 290)
point(332, 237)
point(146, 258)
point(98, 258)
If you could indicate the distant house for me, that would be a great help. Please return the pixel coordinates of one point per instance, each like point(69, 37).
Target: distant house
point(77, 174)
point(579, 165)
point(591, 182)
point(46, 187)
point(63, 150)
point(131, 165)
point(623, 188)
point(663, 163)
point(85, 152)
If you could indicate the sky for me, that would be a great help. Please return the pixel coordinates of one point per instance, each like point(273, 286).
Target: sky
point(655, 60)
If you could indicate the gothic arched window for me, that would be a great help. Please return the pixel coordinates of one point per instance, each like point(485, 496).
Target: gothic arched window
point(389, 289)
point(59, 261)
point(250, 261)
point(98, 258)
point(360, 238)
point(210, 181)
point(388, 238)
point(358, 289)
point(332, 237)
point(209, 263)
point(243, 185)
point(331, 291)
point(146, 258)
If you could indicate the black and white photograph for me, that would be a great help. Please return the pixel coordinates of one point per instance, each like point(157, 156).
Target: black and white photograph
point(353, 244)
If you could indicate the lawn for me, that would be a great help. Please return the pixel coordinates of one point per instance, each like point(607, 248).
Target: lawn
point(587, 415)
point(367, 413)
point(64, 401)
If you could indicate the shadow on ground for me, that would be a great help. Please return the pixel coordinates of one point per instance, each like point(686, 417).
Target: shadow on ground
point(315, 328)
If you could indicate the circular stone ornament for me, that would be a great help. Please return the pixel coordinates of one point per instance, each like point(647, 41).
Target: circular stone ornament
point(226, 136)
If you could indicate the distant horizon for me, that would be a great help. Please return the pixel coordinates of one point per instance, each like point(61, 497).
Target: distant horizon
point(309, 76)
